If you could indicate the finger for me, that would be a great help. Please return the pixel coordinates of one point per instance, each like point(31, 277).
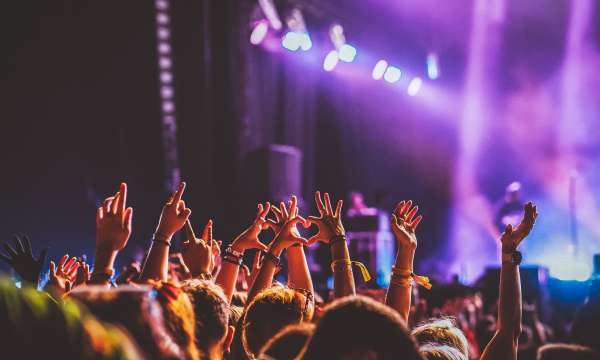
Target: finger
point(10, 250)
point(18, 244)
point(27, 245)
point(67, 268)
point(283, 210)
point(406, 208)
point(127, 218)
point(271, 224)
point(395, 220)
point(266, 210)
point(62, 261)
point(411, 214)
point(215, 247)
point(42, 258)
point(115, 203)
point(186, 214)
point(313, 239)
point(261, 246)
point(416, 222)
point(179, 193)
point(73, 270)
point(207, 233)
point(245, 270)
point(256, 260)
point(52, 268)
point(294, 222)
point(189, 232)
point(107, 204)
point(305, 223)
point(180, 206)
point(319, 203)
point(122, 198)
point(328, 209)
point(338, 209)
point(314, 220)
point(277, 213)
point(293, 206)
point(398, 207)
point(99, 215)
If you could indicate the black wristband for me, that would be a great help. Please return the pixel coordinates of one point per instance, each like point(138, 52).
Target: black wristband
point(233, 260)
point(269, 256)
point(160, 239)
point(337, 238)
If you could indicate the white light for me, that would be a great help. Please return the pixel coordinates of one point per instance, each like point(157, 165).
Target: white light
point(168, 106)
point(291, 41)
point(433, 70)
point(379, 69)
point(166, 77)
point(164, 48)
point(259, 33)
point(392, 74)
point(330, 61)
point(162, 18)
point(414, 86)
point(305, 41)
point(164, 62)
point(347, 53)
point(163, 33)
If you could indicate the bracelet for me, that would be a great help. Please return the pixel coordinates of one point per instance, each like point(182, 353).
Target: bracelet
point(229, 250)
point(404, 277)
point(106, 275)
point(337, 238)
point(348, 264)
point(269, 256)
point(233, 260)
point(160, 239)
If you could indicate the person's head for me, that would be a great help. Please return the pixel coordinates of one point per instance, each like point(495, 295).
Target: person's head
point(441, 352)
point(135, 309)
point(357, 327)
point(567, 351)
point(179, 316)
point(35, 326)
point(269, 312)
point(289, 342)
point(213, 332)
point(442, 331)
point(585, 326)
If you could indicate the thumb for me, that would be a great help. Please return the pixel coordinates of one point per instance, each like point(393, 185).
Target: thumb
point(261, 246)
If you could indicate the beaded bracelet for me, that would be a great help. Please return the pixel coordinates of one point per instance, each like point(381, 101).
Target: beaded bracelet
point(233, 260)
point(269, 256)
point(337, 238)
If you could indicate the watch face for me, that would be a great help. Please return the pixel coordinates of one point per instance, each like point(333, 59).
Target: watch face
point(517, 257)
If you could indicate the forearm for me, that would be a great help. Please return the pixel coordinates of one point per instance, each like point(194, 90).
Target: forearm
point(227, 278)
point(264, 279)
point(156, 266)
point(343, 279)
point(399, 293)
point(104, 261)
point(298, 272)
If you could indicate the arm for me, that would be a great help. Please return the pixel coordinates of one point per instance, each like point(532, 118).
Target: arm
point(286, 237)
point(404, 225)
point(174, 215)
point(247, 240)
point(199, 254)
point(505, 342)
point(113, 229)
point(331, 232)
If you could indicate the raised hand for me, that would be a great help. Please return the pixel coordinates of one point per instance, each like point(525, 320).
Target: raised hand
point(511, 238)
point(174, 214)
point(329, 222)
point(113, 222)
point(83, 274)
point(199, 255)
point(249, 238)
point(287, 219)
point(63, 277)
point(404, 224)
point(21, 259)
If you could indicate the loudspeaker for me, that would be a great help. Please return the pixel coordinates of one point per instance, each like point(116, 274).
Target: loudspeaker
point(274, 173)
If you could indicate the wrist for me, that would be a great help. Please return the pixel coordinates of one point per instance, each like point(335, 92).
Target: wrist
point(104, 260)
point(237, 247)
point(163, 232)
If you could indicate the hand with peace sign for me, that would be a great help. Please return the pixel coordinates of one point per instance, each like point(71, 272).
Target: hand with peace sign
point(329, 222)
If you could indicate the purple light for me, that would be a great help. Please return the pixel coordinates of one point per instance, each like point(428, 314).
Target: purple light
point(347, 53)
point(392, 74)
point(162, 18)
point(433, 70)
point(414, 86)
point(163, 33)
point(166, 92)
point(259, 33)
point(291, 41)
point(166, 77)
point(379, 69)
point(164, 62)
point(164, 48)
point(330, 61)
point(161, 4)
point(305, 41)
point(168, 106)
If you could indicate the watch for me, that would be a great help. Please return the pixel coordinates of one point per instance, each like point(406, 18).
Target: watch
point(514, 257)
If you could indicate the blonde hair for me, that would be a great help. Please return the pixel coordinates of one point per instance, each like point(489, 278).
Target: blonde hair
point(442, 331)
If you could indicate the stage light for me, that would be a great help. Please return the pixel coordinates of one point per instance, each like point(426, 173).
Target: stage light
point(336, 35)
point(305, 41)
point(291, 41)
point(574, 270)
point(379, 69)
point(259, 32)
point(164, 48)
point(392, 74)
point(163, 33)
point(168, 107)
point(162, 18)
point(166, 92)
point(268, 8)
point(414, 86)
point(433, 70)
point(347, 53)
point(161, 4)
point(166, 77)
point(164, 62)
point(330, 61)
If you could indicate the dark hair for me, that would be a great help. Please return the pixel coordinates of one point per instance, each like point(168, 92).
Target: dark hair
point(211, 310)
point(269, 312)
point(135, 309)
point(357, 325)
point(289, 342)
point(585, 325)
point(567, 351)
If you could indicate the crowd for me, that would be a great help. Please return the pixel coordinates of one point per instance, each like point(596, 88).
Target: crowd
point(204, 303)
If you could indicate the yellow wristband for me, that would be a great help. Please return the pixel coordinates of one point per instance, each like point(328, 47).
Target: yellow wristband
point(408, 274)
point(363, 269)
